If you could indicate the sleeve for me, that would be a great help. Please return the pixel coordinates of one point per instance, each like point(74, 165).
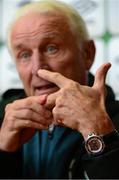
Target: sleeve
point(10, 163)
point(104, 166)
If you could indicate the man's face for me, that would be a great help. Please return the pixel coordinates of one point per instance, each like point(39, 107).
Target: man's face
point(45, 42)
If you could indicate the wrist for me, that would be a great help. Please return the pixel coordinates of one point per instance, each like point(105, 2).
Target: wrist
point(99, 130)
point(97, 144)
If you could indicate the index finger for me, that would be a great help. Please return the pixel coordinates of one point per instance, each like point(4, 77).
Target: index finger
point(54, 77)
point(29, 101)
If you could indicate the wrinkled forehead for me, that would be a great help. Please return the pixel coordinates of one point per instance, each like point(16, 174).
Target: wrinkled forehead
point(31, 22)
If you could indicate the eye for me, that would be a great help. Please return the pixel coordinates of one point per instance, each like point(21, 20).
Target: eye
point(24, 55)
point(51, 49)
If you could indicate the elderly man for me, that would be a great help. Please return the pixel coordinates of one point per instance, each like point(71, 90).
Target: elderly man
point(61, 128)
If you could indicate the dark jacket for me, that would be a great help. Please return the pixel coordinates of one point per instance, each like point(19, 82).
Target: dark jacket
point(60, 154)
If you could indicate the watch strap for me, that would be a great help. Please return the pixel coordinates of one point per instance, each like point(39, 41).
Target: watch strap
point(109, 141)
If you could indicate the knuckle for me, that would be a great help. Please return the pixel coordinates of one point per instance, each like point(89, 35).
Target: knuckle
point(54, 111)
point(63, 93)
point(71, 86)
point(11, 123)
point(7, 107)
point(74, 84)
point(59, 101)
point(8, 117)
point(71, 83)
point(28, 101)
point(28, 113)
point(36, 107)
point(27, 123)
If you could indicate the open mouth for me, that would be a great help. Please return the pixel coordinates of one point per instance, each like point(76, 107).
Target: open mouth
point(46, 89)
point(47, 86)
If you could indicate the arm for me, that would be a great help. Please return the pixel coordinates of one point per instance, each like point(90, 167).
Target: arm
point(80, 107)
point(83, 108)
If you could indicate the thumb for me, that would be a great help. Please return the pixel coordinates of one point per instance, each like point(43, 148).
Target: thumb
point(99, 82)
point(51, 99)
point(42, 99)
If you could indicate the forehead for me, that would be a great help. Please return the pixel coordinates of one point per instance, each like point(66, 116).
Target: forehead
point(36, 23)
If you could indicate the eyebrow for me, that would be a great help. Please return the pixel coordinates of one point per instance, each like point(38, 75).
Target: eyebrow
point(19, 46)
point(47, 36)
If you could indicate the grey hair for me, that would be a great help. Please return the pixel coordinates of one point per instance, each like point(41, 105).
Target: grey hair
point(75, 21)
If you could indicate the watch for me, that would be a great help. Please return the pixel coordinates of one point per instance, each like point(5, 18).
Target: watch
point(96, 144)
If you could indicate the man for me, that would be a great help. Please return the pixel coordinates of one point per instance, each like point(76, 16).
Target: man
point(61, 128)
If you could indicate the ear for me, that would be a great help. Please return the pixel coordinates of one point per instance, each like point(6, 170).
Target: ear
point(89, 53)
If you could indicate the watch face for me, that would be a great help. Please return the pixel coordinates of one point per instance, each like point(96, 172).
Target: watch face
point(94, 145)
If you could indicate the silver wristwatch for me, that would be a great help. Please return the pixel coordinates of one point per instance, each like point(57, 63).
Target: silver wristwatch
point(94, 144)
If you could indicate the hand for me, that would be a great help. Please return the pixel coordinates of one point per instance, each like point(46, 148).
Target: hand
point(22, 118)
point(79, 107)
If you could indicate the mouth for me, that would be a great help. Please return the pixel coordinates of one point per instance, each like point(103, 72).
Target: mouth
point(46, 89)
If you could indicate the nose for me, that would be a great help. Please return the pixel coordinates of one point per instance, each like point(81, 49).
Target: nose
point(38, 62)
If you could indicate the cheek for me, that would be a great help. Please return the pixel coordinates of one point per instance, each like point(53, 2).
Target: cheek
point(26, 77)
point(73, 68)
point(24, 74)
point(65, 68)
point(66, 65)
point(64, 60)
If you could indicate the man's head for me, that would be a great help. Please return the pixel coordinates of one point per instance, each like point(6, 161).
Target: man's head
point(49, 35)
